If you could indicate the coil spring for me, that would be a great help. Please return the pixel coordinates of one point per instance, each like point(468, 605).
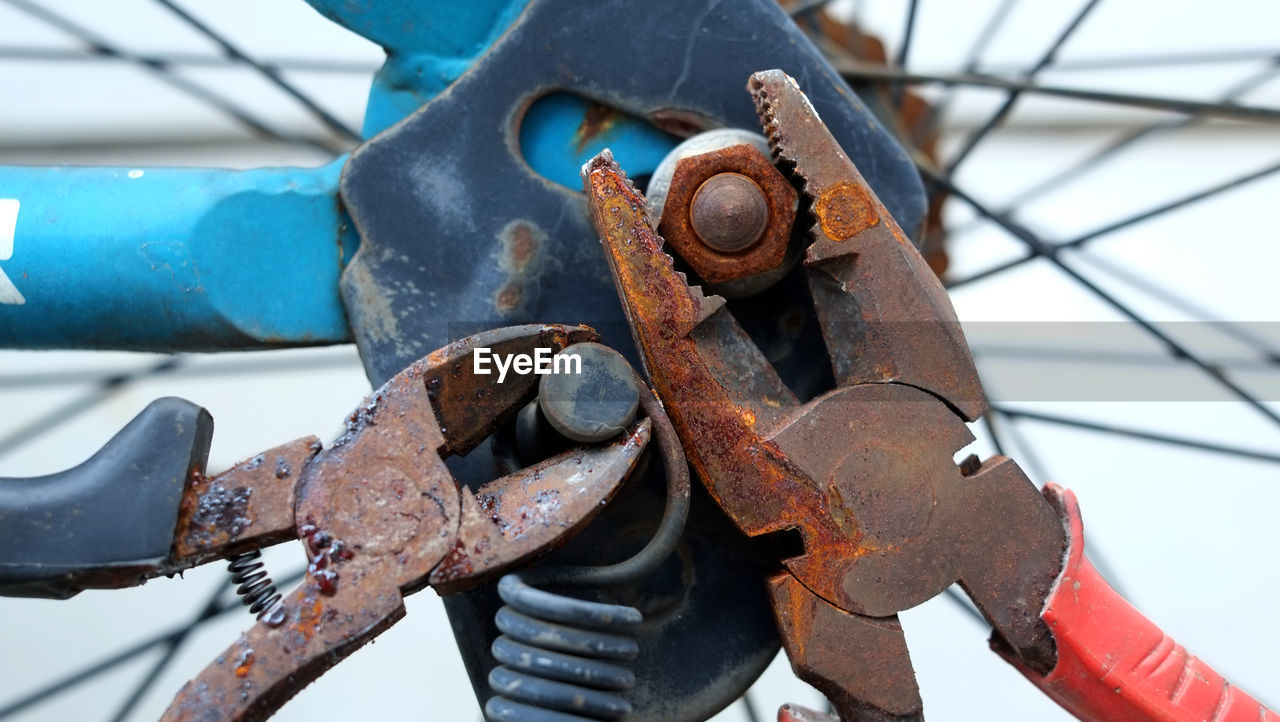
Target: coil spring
point(558, 655)
point(554, 655)
point(253, 582)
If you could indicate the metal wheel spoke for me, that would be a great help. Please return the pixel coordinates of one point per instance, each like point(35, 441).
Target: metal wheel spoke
point(271, 74)
point(1089, 236)
point(1171, 440)
point(1050, 253)
point(37, 427)
point(856, 72)
point(1011, 99)
point(963, 602)
point(166, 74)
point(127, 654)
point(938, 108)
point(1172, 205)
point(749, 707)
point(1109, 357)
point(1270, 354)
point(199, 60)
point(1166, 60)
point(904, 51)
point(1112, 149)
point(171, 646)
point(225, 367)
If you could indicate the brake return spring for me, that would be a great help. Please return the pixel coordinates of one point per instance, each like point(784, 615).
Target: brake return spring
point(559, 656)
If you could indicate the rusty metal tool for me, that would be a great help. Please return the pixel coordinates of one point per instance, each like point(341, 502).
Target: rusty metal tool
point(864, 474)
point(382, 517)
point(379, 513)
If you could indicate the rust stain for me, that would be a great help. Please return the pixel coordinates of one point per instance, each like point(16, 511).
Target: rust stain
point(523, 245)
point(307, 619)
point(244, 664)
point(509, 297)
point(598, 120)
point(845, 210)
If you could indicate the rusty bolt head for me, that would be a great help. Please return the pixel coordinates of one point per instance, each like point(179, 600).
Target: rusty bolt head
point(729, 213)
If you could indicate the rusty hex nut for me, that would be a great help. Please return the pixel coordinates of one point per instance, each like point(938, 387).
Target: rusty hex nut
point(729, 213)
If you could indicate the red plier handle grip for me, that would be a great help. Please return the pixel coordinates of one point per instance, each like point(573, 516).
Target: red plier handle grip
point(1113, 662)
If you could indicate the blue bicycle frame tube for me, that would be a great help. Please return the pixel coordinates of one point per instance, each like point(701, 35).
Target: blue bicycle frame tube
point(170, 259)
point(204, 259)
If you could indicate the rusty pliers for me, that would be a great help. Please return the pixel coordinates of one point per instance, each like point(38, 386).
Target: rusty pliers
point(865, 475)
point(382, 517)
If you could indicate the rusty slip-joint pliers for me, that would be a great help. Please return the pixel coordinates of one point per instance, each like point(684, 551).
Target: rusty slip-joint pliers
point(865, 475)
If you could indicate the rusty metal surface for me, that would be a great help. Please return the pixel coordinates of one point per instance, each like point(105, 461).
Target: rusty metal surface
point(909, 116)
point(885, 316)
point(860, 664)
point(712, 264)
point(729, 212)
point(381, 517)
point(864, 473)
point(509, 521)
point(248, 505)
point(471, 405)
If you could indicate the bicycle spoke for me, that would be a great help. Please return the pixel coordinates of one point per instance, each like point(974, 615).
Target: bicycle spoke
point(84, 675)
point(224, 367)
point(1141, 434)
point(1049, 252)
point(171, 646)
point(999, 116)
point(35, 428)
point(1109, 152)
point(1028, 459)
point(1270, 354)
point(165, 74)
point(990, 425)
point(270, 74)
point(963, 602)
point(938, 108)
point(1104, 356)
point(855, 72)
point(1126, 62)
point(93, 54)
point(749, 707)
point(1173, 205)
point(129, 653)
point(904, 51)
point(1114, 226)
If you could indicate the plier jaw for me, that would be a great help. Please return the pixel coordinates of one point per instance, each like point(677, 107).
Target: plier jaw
point(382, 517)
point(865, 472)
